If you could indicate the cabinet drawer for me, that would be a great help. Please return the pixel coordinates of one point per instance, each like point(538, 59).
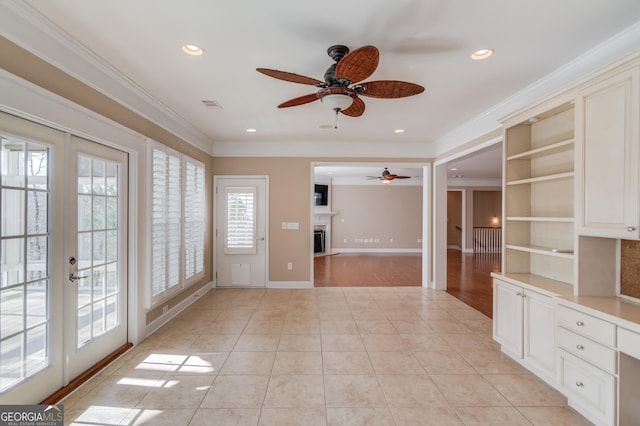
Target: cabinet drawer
point(586, 349)
point(589, 389)
point(587, 325)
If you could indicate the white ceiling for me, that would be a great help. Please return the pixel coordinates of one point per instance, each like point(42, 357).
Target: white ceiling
point(422, 41)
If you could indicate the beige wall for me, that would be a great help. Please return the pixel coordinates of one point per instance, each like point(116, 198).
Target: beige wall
point(289, 201)
point(454, 219)
point(486, 205)
point(382, 212)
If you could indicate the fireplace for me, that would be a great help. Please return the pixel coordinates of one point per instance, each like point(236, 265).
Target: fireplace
point(318, 241)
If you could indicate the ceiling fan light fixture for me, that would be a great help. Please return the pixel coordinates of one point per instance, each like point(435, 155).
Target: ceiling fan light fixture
point(337, 101)
point(398, 131)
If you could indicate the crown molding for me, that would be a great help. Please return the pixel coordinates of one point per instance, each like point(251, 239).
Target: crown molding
point(24, 26)
point(316, 149)
point(620, 46)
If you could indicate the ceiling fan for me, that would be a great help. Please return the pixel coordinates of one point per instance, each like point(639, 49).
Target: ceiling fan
point(387, 177)
point(341, 87)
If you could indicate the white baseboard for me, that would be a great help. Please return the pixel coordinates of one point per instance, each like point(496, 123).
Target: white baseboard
point(173, 312)
point(289, 284)
point(468, 250)
point(453, 247)
point(377, 250)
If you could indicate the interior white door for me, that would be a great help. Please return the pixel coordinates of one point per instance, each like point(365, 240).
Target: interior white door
point(241, 231)
point(96, 253)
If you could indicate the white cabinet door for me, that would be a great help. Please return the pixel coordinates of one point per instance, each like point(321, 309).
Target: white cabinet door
point(607, 157)
point(539, 333)
point(507, 317)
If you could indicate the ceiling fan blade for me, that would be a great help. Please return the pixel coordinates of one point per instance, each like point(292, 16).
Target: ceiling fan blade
point(289, 76)
point(390, 89)
point(358, 64)
point(402, 177)
point(299, 101)
point(356, 109)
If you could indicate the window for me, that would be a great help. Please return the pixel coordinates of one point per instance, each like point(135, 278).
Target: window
point(241, 221)
point(194, 224)
point(178, 221)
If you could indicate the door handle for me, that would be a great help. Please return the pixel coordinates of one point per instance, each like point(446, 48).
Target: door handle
point(73, 278)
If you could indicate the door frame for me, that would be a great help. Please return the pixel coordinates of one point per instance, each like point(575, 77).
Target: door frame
point(426, 209)
point(216, 219)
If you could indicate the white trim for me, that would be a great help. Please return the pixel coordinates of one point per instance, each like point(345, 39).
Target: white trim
point(472, 149)
point(154, 325)
point(427, 226)
point(31, 102)
point(289, 284)
point(327, 148)
point(377, 250)
point(26, 27)
point(453, 247)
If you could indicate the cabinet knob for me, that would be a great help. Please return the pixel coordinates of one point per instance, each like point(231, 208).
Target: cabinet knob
point(579, 384)
point(580, 347)
point(519, 294)
point(579, 323)
point(631, 228)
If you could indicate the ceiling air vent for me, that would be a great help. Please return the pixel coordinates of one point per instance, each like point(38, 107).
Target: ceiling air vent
point(212, 104)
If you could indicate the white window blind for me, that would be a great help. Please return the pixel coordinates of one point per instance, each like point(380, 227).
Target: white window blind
point(241, 220)
point(166, 220)
point(194, 224)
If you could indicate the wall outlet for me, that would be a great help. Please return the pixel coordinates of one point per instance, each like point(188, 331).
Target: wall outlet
point(344, 240)
point(290, 266)
point(390, 240)
point(284, 225)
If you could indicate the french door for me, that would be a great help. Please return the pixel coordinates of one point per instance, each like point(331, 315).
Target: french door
point(96, 253)
point(63, 251)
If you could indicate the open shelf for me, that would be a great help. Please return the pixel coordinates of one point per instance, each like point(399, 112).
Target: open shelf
point(554, 148)
point(541, 219)
point(539, 180)
point(546, 178)
point(548, 251)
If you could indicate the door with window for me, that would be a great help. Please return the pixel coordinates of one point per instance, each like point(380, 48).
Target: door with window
point(63, 216)
point(96, 253)
point(241, 231)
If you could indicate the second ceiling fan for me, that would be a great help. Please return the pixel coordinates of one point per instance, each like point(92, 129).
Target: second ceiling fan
point(342, 85)
point(388, 177)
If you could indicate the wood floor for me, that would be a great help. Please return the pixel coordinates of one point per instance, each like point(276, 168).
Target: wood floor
point(469, 278)
point(368, 270)
point(468, 275)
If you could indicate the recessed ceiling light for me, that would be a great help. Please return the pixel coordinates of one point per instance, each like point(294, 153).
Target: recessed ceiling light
point(251, 130)
point(453, 168)
point(481, 54)
point(398, 131)
point(192, 49)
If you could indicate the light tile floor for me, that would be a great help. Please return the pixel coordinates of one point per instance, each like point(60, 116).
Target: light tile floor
point(323, 356)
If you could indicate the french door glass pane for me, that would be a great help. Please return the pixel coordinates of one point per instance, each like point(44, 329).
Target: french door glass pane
point(24, 260)
point(98, 241)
